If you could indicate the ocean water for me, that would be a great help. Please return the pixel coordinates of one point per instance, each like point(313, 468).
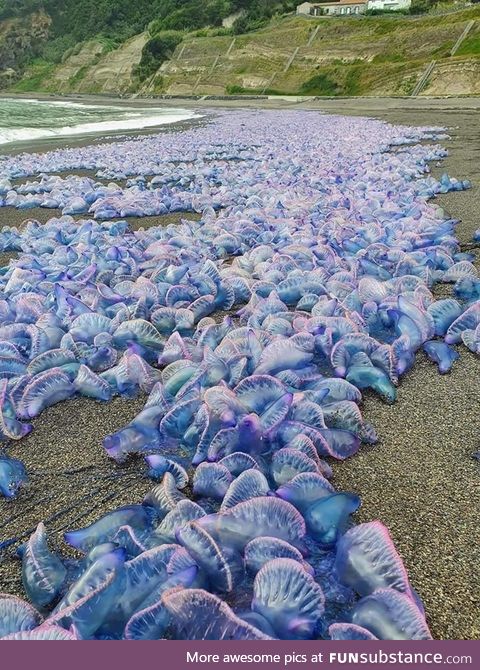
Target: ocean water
point(24, 119)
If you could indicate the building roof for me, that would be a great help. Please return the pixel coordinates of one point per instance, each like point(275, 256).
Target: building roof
point(338, 2)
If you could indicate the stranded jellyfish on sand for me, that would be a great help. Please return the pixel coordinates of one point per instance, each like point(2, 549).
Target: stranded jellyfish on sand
point(252, 333)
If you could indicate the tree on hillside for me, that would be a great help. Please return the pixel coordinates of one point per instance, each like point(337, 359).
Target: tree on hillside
point(79, 20)
point(15, 8)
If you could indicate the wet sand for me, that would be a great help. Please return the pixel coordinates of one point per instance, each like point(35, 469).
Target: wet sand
point(71, 480)
point(420, 480)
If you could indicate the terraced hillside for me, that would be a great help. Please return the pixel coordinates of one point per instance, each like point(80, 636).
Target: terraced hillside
point(332, 56)
point(374, 56)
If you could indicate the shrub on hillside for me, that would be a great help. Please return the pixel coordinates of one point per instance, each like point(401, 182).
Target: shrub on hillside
point(320, 84)
point(157, 50)
point(421, 6)
point(235, 89)
point(258, 14)
point(55, 50)
point(19, 7)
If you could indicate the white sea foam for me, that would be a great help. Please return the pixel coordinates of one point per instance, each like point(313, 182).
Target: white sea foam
point(63, 103)
point(132, 118)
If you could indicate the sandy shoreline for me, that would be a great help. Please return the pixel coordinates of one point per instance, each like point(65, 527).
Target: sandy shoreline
point(420, 480)
point(406, 108)
point(42, 145)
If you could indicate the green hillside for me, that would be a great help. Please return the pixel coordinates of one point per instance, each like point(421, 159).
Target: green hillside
point(124, 53)
point(346, 56)
point(71, 23)
point(74, 21)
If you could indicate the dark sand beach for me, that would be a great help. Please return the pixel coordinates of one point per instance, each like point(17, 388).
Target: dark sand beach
point(421, 480)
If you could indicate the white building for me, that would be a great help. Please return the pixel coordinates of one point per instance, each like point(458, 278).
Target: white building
point(349, 7)
point(392, 5)
point(333, 7)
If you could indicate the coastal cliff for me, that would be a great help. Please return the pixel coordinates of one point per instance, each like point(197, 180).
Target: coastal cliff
point(21, 39)
point(373, 55)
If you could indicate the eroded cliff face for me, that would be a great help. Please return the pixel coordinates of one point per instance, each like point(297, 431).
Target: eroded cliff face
point(68, 75)
point(113, 72)
point(90, 68)
point(20, 41)
point(458, 77)
point(375, 57)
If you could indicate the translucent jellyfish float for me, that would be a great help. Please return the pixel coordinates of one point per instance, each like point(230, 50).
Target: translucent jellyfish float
point(252, 334)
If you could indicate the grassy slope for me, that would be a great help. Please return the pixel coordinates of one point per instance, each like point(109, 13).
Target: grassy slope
point(349, 56)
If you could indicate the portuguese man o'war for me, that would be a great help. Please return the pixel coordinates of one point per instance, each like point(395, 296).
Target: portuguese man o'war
point(252, 332)
point(12, 476)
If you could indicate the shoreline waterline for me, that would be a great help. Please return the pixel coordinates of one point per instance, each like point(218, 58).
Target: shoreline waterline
point(25, 120)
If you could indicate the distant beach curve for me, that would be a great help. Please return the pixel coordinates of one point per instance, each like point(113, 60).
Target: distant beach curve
point(32, 119)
